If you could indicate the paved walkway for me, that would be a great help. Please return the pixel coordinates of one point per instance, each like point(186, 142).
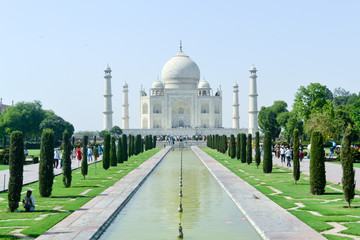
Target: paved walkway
point(269, 219)
point(89, 221)
point(333, 171)
point(31, 173)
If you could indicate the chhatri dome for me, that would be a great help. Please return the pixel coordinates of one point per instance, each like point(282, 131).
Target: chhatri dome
point(180, 72)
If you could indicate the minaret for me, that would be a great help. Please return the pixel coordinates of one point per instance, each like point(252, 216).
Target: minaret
point(108, 123)
point(125, 114)
point(253, 112)
point(236, 117)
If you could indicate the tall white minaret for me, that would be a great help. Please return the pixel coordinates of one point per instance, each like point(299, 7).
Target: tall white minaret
point(125, 114)
point(253, 112)
point(108, 123)
point(236, 117)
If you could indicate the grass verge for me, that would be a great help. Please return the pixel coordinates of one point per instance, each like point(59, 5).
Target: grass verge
point(317, 210)
point(63, 201)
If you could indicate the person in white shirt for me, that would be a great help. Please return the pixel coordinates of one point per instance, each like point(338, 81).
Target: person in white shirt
point(282, 153)
point(288, 157)
point(56, 157)
point(29, 202)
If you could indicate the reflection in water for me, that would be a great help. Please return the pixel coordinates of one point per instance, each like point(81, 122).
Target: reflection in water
point(208, 212)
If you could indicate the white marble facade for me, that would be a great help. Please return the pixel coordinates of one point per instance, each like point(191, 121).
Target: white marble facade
point(181, 100)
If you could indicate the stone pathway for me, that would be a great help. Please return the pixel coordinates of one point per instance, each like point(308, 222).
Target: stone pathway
point(269, 219)
point(92, 219)
point(31, 173)
point(333, 170)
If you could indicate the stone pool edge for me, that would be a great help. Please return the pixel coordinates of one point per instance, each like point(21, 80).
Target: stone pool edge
point(93, 218)
point(269, 219)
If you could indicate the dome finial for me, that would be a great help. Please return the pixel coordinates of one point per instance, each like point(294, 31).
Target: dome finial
point(180, 46)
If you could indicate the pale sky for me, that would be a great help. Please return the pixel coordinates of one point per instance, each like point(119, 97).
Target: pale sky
point(56, 51)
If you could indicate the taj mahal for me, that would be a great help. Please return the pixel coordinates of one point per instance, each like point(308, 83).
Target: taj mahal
point(181, 104)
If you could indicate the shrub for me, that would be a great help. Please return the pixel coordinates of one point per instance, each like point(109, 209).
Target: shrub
point(317, 164)
point(249, 149)
point(124, 149)
point(84, 162)
point(137, 146)
point(16, 166)
point(154, 142)
point(67, 160)
point(267, 161)
point(348, 179)
point(46, 166)
point(243, 148)
point(257, 149)
point(296, 167)
point(35, 160)
point(113, 160)
point(238, 146)
point(232, 148)
point(119, 153)
point(106, 152)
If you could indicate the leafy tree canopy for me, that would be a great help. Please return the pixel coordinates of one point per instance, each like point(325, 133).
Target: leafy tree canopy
point(116, 131)
point(268, 115)
point(58, 125)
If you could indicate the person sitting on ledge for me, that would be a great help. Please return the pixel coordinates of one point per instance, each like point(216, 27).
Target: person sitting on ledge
point(29, 202)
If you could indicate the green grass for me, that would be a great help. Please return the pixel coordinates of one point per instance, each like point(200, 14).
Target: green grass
point(35, 152)
point(4, 167)
point(282, 179)
point(64, 199)
point(357, 165)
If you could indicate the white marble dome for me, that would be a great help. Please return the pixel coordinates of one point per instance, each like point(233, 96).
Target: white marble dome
point(203, 84)
point(180, 72)
point(157, 85)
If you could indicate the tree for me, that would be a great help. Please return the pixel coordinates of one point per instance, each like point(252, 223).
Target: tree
point(102, 133)
point(106, 152)
point(113, 160)
point(257, 149)
point(119, 154)
point(154, 142)
point(238, 146)
point(67, 160)
point(16, 166)
point(116, 131)
point(84, 161)
point(296, 167)
point(249, 149)
point(24, 117)
point(150, 142)
point(58, 125)
point(243, 148)
point(267, 161)
point(232, 148)
point(131, 148)
point(311, 99)
point(267, 118)
point(224, 143)
point(355, 113)
point(325, 122)
point(46, 165)
point(348, 179)
point(317, 164)
point(124, 148)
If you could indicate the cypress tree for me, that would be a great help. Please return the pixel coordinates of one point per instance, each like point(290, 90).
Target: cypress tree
point(46, 165)
point(131, 148)
point(267, 161)
point(119, 153)
point(154, 142)
point(133, 145)
point(106, 151)
point(16, 166)
point(217, 144)
point(348, 179)
point(124, 148)
point(317, 164)
point(137, 144)
point(296, 162)
point(243, 148)
point(113, 159)
point(257, 149)
point(67, 160)
point(224, 143)
point(232, 146)
point(150, 141)
point(238, 146)
point(84, 162)
point(142, 145)
point(249, 149)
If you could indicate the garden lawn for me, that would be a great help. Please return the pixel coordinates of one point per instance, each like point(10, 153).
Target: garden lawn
point(4, 167)
point(317, 210)
point(63, 201)
point(35, 152)
point(356, 165)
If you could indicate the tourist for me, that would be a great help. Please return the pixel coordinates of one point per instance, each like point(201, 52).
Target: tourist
point(301, 155)
point(78, 153)
point(90, 154)
point(288, 156)
point(56, 157)
point(282, 153)
point(29, 202)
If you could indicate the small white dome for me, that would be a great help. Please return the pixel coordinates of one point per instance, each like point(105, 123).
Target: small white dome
point(107, 68)
point(252, 68)
point(203, 84)
point(157, 84)
point(125, 85)
point(235, 85)
point(180, 72)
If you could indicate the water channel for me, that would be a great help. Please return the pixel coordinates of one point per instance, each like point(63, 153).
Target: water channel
point(208, 212)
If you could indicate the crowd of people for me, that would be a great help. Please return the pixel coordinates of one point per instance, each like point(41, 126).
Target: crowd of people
point(286, 153)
